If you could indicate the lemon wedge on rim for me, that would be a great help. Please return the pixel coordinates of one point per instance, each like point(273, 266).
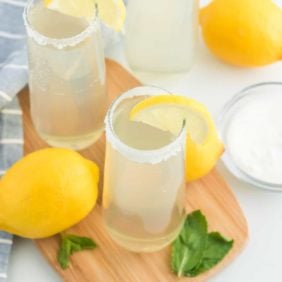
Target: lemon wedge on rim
point(111, 12)
point(167, 112)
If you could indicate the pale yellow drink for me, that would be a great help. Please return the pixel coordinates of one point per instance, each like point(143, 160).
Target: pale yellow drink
point(144, 182)
point(67, 77)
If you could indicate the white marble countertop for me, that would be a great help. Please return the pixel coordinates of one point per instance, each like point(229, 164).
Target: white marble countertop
point(213, 83)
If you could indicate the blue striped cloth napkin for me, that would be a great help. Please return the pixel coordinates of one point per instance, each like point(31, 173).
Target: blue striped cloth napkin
point(13, 77)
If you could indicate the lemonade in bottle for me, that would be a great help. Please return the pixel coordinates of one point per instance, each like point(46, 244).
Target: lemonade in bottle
point(161, 35)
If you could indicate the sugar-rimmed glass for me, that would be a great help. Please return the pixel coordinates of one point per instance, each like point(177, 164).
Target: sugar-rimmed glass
point(66, 76)
point(144, 180)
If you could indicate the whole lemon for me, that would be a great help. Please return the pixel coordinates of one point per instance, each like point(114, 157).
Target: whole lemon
point(243, 32)
point(46, 192)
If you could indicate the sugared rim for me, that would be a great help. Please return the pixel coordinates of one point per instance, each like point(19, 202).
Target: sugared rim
point(58, 43)
point(136, 155)
point(226, 158)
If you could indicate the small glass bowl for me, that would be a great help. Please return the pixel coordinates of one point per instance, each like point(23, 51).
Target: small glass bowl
point(223, 122)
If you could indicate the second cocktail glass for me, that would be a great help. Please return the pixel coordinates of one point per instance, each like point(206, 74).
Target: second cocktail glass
point(143, 197)
point(66, 76)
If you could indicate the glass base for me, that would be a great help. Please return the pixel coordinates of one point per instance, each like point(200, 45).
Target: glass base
point(138, 245)
point(73, 142)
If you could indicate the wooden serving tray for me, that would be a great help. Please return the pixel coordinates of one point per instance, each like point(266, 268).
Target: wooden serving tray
point(109, 262)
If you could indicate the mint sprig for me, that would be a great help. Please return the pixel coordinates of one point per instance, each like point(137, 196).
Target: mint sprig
point(195, 250)
point(70, 244)
point(188, 248)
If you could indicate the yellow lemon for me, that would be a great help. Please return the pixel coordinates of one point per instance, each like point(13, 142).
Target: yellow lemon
point(167, 112)
point(244, 33)
point(111, 12)
point(46, 192)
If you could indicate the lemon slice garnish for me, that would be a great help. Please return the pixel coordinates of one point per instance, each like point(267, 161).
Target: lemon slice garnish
point(111, 12)
point(167, 112)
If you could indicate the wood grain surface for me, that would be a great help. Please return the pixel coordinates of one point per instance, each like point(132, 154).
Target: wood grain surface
point(109, 262)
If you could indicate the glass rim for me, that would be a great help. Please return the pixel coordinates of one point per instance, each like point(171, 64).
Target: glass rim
point(59, 43)
point(226, 158)
point(142, 156)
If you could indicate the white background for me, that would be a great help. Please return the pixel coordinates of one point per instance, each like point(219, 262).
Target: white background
point(213, 83)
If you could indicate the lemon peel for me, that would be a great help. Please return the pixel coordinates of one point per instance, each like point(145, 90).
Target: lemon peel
point(167, 112)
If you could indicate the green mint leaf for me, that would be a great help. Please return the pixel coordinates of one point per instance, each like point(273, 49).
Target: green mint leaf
point(71, 244)
point(216, 249)
point(195, 251)
point(64, 254)
point(83, 242)
point(188, 248)
point(179, 258)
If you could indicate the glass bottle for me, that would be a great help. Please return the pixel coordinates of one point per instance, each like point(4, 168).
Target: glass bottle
point(161, 35)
